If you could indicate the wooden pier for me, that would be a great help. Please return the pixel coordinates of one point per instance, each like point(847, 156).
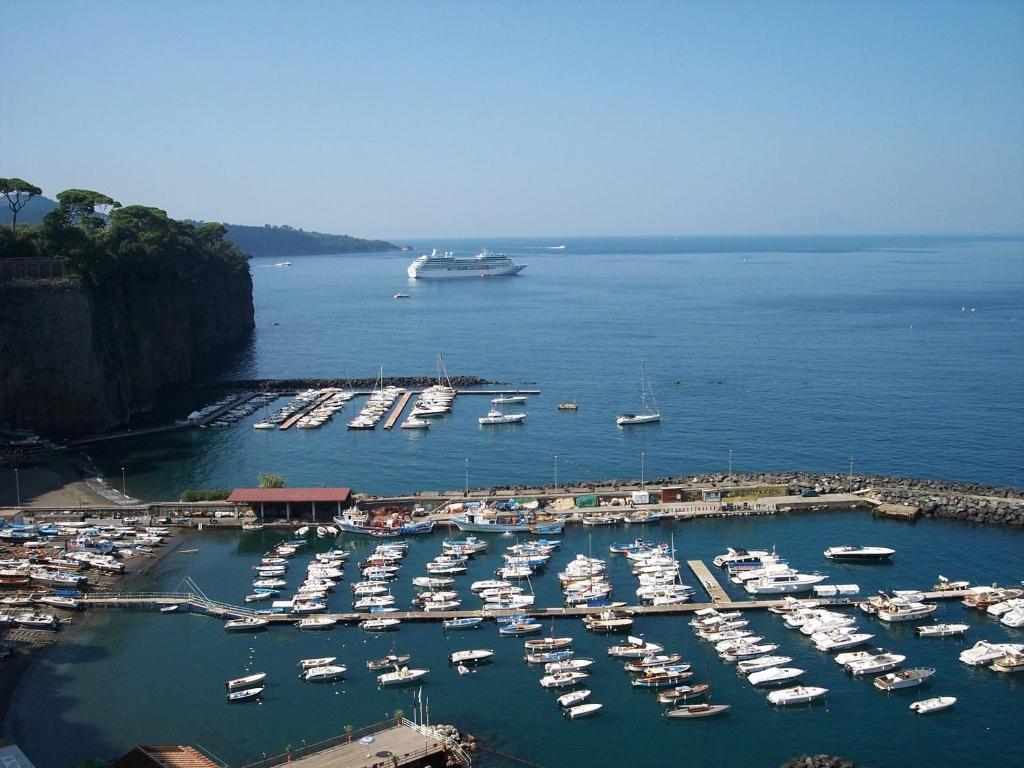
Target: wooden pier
point(709, 582)
point(287, 423)
point(397, 412)
point(221, 411)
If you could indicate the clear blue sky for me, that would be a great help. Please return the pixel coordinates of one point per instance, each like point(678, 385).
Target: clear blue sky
point(404, 119)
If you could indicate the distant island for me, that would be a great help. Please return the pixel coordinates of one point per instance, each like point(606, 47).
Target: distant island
point(266, 240)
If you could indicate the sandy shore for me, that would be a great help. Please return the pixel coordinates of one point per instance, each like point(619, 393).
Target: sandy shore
point(55, 480)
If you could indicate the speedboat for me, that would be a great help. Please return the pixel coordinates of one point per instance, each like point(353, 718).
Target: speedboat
point(468, 622)
point(324, 674)
point(567, 665)
point(323, 661)
point(936, 704)
point(316, 622)
point(245, 624)
point(883, 662)
point(774, 675)
point(698, 710)
point(899, 611)
point(379, 625)
point(508, 399)
point(834, 641)
point(764, 662)
point(519, 628)
point(391, 660)
point(985, 652)
point(945, 585)
point(562, 679)
point(905, 678)
point(572, 699)
point(1013, 619)
point(942, 630)
point(739, 555)
point(401, 676)
point(244, 695)
point(497, 417)
point(36, 620)
point(249, 681)
point(474, 656)
point(741, 652)
point(859, 553)
point(799, 694)
point(582, 710)
point(682, 693)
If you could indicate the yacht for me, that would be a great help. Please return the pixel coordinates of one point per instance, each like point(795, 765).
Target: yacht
point(324, 674)
point(495, 416)
point(859, 553)
point(647, 414)
point(942, 630)
point(401, 676)
point(797, 695)
point(985, 652)
point(899, 611)
point(776, 584)
point(474, 656)
point(883, 662)
point(836, 639)
point(905, 678)
point(447, 266)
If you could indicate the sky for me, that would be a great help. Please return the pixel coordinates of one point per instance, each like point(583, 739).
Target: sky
point(443, 119)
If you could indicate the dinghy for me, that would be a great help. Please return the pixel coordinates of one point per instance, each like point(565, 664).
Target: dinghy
point(582, 710)
point(936, 704)
point(567, 700)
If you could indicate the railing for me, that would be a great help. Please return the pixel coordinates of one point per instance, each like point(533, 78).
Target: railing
point(156, 598)
point(451, 746)
point(320, 746)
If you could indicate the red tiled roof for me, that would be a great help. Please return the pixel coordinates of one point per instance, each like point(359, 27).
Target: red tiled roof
point(293, 495)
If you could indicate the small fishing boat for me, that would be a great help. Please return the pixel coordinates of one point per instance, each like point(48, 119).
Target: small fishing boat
point(567, 665)
point(401, 676)
point(245, 624)
point(379, 625)
point(936, 704)
point(544, 657)
point(945, 585)
point(652, 660)
point(682, 693)
point(391, 660)
point(798, 694)
point(1011, 662)
point(244, 695)
point(562, 679)
point(249, 681)
point(36, 620)
point(467, 622)
point(905, 678)
point(547, 643)
point(316, 622)
point(324, 674)
point(323, 661)
point(698, 710)
point(573, 698)
point(474, 656)
point(170, 608)
point(519, 628)
point(582, 710)
point(634, 648)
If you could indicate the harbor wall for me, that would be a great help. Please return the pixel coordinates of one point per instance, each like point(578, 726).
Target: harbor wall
point(82, 358)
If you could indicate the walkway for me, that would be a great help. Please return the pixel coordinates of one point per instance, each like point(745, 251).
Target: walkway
point(708, 581)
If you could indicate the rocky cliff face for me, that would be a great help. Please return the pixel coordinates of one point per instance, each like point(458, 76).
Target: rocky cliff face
point(78, 359)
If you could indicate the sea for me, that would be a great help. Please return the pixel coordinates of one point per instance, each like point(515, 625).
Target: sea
point(893, 355)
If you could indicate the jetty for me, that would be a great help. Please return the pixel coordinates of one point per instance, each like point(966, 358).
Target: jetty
point(287, 423)
point(708, 581)
point(397, 743)
point(397, 412)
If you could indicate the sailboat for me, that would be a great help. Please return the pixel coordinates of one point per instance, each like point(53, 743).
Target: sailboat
point(647, 414)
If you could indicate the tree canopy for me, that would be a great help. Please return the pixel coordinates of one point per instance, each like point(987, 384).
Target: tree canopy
point(18, 192)
point(267, 480)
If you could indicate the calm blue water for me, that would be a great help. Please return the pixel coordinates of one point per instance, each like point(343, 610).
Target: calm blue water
point(792, 352)
point(149, 678)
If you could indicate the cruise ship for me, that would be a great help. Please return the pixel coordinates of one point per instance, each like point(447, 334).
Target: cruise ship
point(446, 265)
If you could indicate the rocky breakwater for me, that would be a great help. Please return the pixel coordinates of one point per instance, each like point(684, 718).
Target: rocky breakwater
point(146, 302)
point(278, 385)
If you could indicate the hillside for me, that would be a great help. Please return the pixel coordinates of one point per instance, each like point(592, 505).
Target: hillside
point(282, 241)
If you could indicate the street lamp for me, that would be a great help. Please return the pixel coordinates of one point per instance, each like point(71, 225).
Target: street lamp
point(849, 478)
point(730, 465)
point(467, 476)
point(641, 470)
point(124, 486)
point(556, 470)
point(17, 486)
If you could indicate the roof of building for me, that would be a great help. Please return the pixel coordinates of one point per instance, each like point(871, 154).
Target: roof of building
point(164, 757)
point(292, 495)
point(12, 757)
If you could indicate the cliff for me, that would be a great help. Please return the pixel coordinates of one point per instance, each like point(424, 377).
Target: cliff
point(81, 358)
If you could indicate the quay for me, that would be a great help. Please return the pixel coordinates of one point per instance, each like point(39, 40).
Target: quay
point(398, 743)
point(708, 581)
point(397, 412)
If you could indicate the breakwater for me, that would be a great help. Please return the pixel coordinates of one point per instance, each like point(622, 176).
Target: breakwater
point(365, 383)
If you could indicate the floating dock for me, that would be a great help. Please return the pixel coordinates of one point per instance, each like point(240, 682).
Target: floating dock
point(708, 581)
point(397, 412)
point(287, 423)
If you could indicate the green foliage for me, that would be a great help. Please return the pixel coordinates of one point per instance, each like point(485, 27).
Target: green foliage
point(205, 494)
point(78, 207)
point(17, 192)
point(287, 241)
point(271, 481)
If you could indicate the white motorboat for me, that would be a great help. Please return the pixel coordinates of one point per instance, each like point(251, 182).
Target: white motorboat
point(323, 661)
point(497, 417)
point(942, 630)
point(741, 652)
point(1013, 619)
point(508, 399)
point(324, 674)
point(547, 643)
point(935, 704)
point(900, 611)
point(562, 679)
point(764, 662)
point(945, 585)
point(316, 622)
point(843, 659)
point(984, 652)
point(244, 695)
point(859, 554)
point(834, 641)
point(249, 681)
point(567, 665)
point(774, 675)
point(904, 678)
point(474, 656)
point(36, 620)
point(724, 646)
point(1011, 662)
point(572, 699)
point(882, 662)
point(734, 555)
point(698, 710)
point(799, 694)
point(783, 583)
point(245, 624)
point(383, 624)
point(634, 647)
point(582, 710)
point(414, 422)
point(401, 676)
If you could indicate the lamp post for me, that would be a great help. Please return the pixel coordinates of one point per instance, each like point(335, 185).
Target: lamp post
point(17, 486)
point(124, 487)
point(641, 470)
point(849, 478)
point(467, 476)
point(730, 465)
point(556, 471)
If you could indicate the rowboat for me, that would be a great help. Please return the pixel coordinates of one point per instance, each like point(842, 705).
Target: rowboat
point(244, 695)
point(698, 710)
